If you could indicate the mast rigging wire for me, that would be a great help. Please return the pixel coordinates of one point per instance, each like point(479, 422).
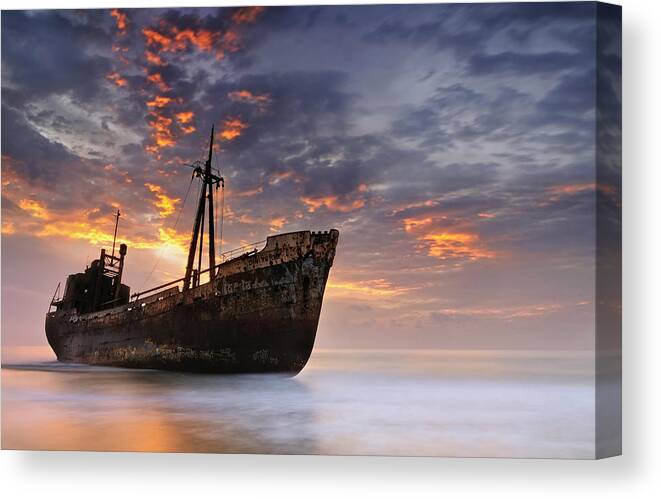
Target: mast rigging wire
point(222, 209)
point(160, 253)
point(222, 216)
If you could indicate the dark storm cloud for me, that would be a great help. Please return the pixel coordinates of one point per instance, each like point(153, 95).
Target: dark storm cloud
point(469, 32)
point(573, 95)
point(522, 64)
point(445, 23)
point(303, 132)
point(49, 166)
point(300, 130)
point(301, 103)
point(458, 113)
point(46, 52)
point(41, 159)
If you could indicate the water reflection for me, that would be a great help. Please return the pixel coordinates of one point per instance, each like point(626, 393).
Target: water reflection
point(64, 406)
point(396, 403)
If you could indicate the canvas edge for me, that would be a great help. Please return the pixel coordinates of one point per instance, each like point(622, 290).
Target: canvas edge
point(608, 194)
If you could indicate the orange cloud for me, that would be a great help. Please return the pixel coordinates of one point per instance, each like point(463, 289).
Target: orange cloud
point(447, 245)
point(184, 117)
point(159, 101)
point(156, 39)
point(335, 203)
point(121, 20)
point(34, 208)
point(153, 58)
point(374, 288)
point(157, 79)
point(203, 39)
point(247, 15)
point(74, 228)
point(40, 222)
point(413, 224)
point(607, 189)
point(8, 227)
point(248, 193)
point(168, 38)
point(557, 192)
point(232, 128)
point(35, 218)
point(161, 132)
point(277, 223)
point(169, 238)
point(246, 96)
point(230, 42)
point(569, 189)
point(179, 39)
point(165, 204)
point(116, 79)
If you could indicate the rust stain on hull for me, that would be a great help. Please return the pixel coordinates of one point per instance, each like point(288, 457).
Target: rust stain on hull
point(259, 314)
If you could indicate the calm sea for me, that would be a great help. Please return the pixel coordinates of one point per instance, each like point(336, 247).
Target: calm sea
point(436, 403)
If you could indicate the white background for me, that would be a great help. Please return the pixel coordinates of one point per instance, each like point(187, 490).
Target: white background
point(635, 474)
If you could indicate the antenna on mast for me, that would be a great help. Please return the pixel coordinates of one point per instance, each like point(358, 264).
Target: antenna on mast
point(114, 237)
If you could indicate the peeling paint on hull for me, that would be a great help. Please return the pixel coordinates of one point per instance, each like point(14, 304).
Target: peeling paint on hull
point(259, 315)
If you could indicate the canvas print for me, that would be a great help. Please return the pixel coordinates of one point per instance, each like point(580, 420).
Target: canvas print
point(356, 230)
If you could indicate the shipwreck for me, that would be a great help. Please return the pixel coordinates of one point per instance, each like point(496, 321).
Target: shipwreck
point(256, 311)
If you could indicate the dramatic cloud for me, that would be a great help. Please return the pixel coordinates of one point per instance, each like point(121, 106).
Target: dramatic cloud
point(248, 97)
point(452, 145)
point(121, 19)
point(232, 128)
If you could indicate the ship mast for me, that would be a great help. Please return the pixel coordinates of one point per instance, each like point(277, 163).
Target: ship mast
point(212, 237)
point(114, 237)
point(208, 181)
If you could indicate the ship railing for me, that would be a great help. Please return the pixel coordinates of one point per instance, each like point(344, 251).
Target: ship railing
point(240, 251)
point(156, 296)
point(56, 300)
point(141, 297)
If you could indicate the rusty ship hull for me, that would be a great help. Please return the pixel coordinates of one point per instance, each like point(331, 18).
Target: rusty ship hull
point(259, 314)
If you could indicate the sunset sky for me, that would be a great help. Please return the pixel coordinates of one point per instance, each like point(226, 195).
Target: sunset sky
point(452, 145)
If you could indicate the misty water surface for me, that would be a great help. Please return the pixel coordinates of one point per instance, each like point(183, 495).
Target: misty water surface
point(442, 403)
